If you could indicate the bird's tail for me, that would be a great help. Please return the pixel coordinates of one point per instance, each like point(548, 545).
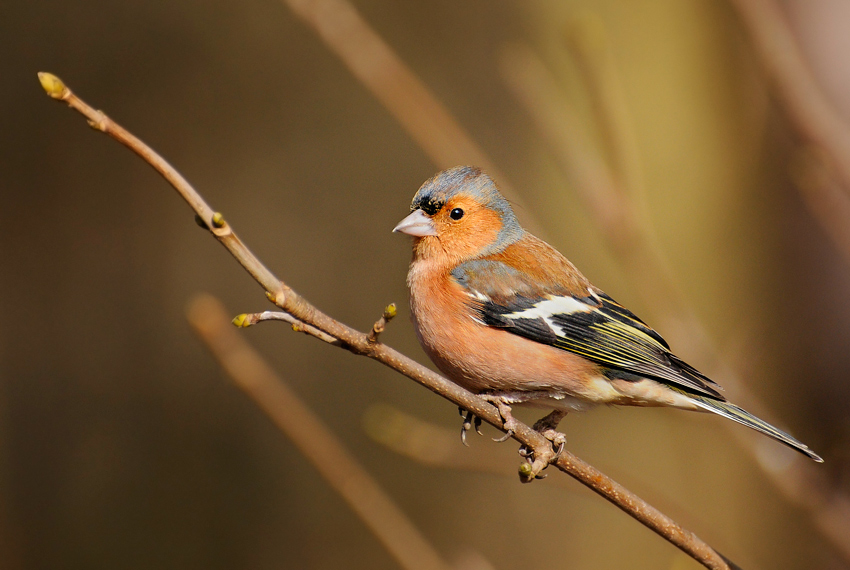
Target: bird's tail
point(735, 413)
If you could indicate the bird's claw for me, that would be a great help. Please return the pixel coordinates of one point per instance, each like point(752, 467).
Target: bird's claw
point(508, 434)
point(560, 448)
point(535, 462)
point(470, 421)
point(557, 439)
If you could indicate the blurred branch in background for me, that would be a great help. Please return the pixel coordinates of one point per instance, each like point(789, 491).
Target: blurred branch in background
point(405, 96)
point(308, 432)
point(824, 197)
point(374, 63)
point(433, 445)
point(586, 36)
point(616, 212)
point(425, 442)
point(805, 104)
point(359, 343)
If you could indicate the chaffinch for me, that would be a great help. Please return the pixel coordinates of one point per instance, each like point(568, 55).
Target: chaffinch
point(503, 314)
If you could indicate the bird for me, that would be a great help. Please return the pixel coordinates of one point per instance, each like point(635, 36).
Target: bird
point(504, 315)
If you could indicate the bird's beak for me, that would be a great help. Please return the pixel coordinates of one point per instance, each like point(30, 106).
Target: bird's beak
point(417, 224)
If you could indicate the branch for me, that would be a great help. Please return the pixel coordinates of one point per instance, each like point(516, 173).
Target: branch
point(358, 343)
point(390, 312)
point(436, 446)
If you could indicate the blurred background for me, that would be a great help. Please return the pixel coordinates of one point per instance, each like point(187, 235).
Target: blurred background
point(124, 445)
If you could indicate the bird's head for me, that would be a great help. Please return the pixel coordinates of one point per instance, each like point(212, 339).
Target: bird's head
point(460, 213)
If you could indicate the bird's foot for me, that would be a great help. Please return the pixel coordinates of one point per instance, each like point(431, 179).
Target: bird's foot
point(508, 422)
point(469, 420)
point(547, 426)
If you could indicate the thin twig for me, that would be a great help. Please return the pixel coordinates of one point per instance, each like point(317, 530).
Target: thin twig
point(390, 312)
point(358, 343)
point(246, 320)
point(319, 445)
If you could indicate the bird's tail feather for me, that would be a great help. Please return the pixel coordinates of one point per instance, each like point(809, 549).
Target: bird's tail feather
point(735, 413)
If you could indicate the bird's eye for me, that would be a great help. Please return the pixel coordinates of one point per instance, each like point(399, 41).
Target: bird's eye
point(456, 214)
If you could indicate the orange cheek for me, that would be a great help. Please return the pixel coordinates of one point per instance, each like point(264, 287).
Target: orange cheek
point(469, 236)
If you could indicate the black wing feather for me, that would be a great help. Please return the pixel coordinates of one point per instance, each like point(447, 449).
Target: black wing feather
point(607, 334)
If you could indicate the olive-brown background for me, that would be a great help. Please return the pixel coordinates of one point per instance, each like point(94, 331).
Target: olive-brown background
point(122, 445)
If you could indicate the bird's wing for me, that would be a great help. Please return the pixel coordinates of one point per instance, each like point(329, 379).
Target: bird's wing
point(593, 326)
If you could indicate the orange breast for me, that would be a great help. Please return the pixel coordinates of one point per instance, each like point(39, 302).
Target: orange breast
point(482, 358)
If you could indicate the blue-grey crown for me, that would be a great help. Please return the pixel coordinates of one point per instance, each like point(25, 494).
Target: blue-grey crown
point(469, 180)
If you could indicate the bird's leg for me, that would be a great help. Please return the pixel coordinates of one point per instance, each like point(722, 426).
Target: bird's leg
point(509, 423)
point(547, 426)
point(469, 420)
